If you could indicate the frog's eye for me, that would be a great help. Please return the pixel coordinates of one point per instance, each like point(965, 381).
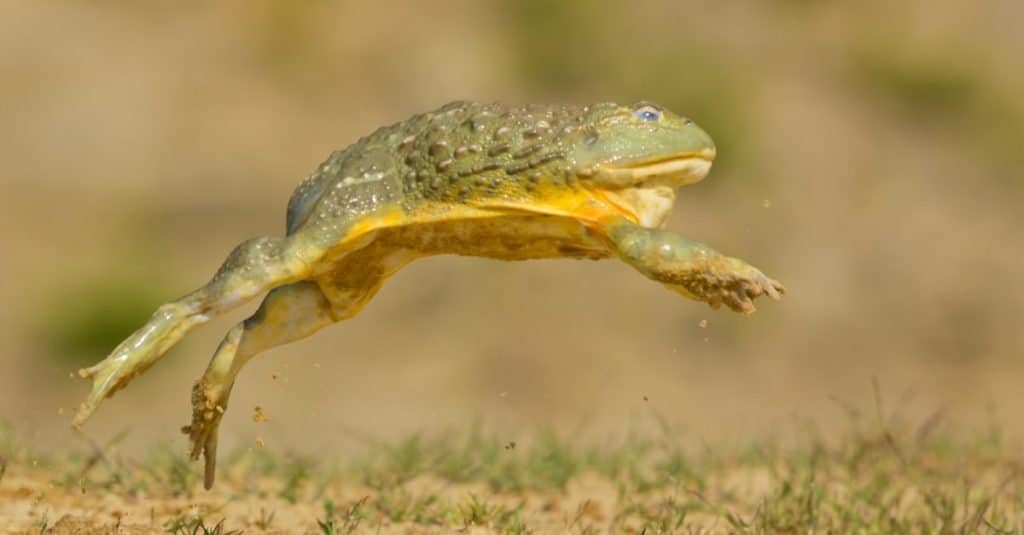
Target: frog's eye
point(647, 113)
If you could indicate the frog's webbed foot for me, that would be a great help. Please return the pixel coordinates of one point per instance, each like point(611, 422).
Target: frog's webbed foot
point(692, 268)
point(136, 354)
point(209, 401)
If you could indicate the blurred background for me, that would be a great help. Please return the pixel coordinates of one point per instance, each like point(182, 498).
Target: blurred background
point(870, 157)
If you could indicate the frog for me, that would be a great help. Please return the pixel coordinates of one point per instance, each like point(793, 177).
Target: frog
point(483, 179)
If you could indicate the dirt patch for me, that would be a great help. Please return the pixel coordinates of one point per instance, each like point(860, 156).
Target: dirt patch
point(868, 481)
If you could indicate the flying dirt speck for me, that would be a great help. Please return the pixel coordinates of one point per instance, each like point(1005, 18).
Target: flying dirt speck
point(259, 415)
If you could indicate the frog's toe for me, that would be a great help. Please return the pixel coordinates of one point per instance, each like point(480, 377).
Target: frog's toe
point(746, 287)
point(137, 353)
point(108, 376)
point(204, 441)
point(208, 405)
point(761, 284)
point(741, 300)
point(737, 291)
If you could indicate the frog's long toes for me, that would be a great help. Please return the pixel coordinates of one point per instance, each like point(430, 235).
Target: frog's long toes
point(208, 405)
point(741, 304)
point(202, 434)
point(210, 458)
point(777, 290)
point(740, 296)
point(105, 381)
point(752, 290)
point(85, 410)
point(196, 446)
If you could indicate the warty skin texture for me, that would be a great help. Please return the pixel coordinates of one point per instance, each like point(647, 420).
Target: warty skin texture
point(505, 182)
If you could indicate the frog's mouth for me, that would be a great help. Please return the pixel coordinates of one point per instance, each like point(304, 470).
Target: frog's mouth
point(677, 170)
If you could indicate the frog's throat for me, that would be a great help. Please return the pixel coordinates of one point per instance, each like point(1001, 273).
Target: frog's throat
point(674, 171)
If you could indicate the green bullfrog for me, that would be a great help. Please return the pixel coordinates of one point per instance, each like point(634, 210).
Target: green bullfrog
point(476, 179)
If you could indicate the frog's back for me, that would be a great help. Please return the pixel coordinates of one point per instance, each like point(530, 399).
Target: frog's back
point(461, 150)
point(352, 178)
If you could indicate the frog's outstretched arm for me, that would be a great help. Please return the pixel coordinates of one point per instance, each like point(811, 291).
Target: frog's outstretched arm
point(251, 269)
point(690, 267)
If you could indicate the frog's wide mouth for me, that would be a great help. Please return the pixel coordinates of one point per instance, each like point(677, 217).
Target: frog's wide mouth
point(676, 170)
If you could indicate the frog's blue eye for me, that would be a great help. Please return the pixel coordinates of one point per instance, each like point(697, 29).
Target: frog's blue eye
point(647, 113)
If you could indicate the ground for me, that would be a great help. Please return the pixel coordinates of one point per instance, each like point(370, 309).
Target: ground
point(875, 478)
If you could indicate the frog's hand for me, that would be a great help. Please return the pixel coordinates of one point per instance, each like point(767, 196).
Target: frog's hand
point(691, 268)
point(252, 268)
point(727, 280)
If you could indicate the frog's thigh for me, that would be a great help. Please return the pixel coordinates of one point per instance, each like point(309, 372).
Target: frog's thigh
point(288, 313)
point(250, 269)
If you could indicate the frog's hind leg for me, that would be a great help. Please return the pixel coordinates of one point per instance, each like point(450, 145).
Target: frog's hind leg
point(252, 268)
point(288, 313)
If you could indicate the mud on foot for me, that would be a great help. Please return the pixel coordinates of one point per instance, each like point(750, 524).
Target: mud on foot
point(208, 406)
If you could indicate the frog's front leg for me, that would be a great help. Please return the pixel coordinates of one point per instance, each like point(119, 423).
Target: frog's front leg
point(690, 267)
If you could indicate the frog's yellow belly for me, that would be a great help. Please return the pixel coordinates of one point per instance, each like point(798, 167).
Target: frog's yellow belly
point(504, 238)
point(362, 271)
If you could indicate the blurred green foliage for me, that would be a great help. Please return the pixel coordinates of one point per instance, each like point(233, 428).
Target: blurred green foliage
point(547, 59)
point(941, 87)
point(84, 321)
point(928, 85)
point(566, 48)
point(286, 39)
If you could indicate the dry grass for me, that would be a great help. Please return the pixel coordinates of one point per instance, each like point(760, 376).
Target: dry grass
point(882, 476)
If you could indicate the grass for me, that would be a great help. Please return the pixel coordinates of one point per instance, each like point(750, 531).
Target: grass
point(184, 525)
point(881, 476)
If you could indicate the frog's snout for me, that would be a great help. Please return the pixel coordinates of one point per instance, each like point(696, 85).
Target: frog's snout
point(694, 140)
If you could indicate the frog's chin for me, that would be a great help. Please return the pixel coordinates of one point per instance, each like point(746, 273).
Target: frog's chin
point(650, 206)
point(673, 172)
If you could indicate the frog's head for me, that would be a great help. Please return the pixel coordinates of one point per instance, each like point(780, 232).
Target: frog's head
point(639, 146)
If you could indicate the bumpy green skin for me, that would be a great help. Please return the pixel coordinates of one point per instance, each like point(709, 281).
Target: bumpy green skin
point(448, 153)
point(468, 149)
point(468, 178)
point(445, 155)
